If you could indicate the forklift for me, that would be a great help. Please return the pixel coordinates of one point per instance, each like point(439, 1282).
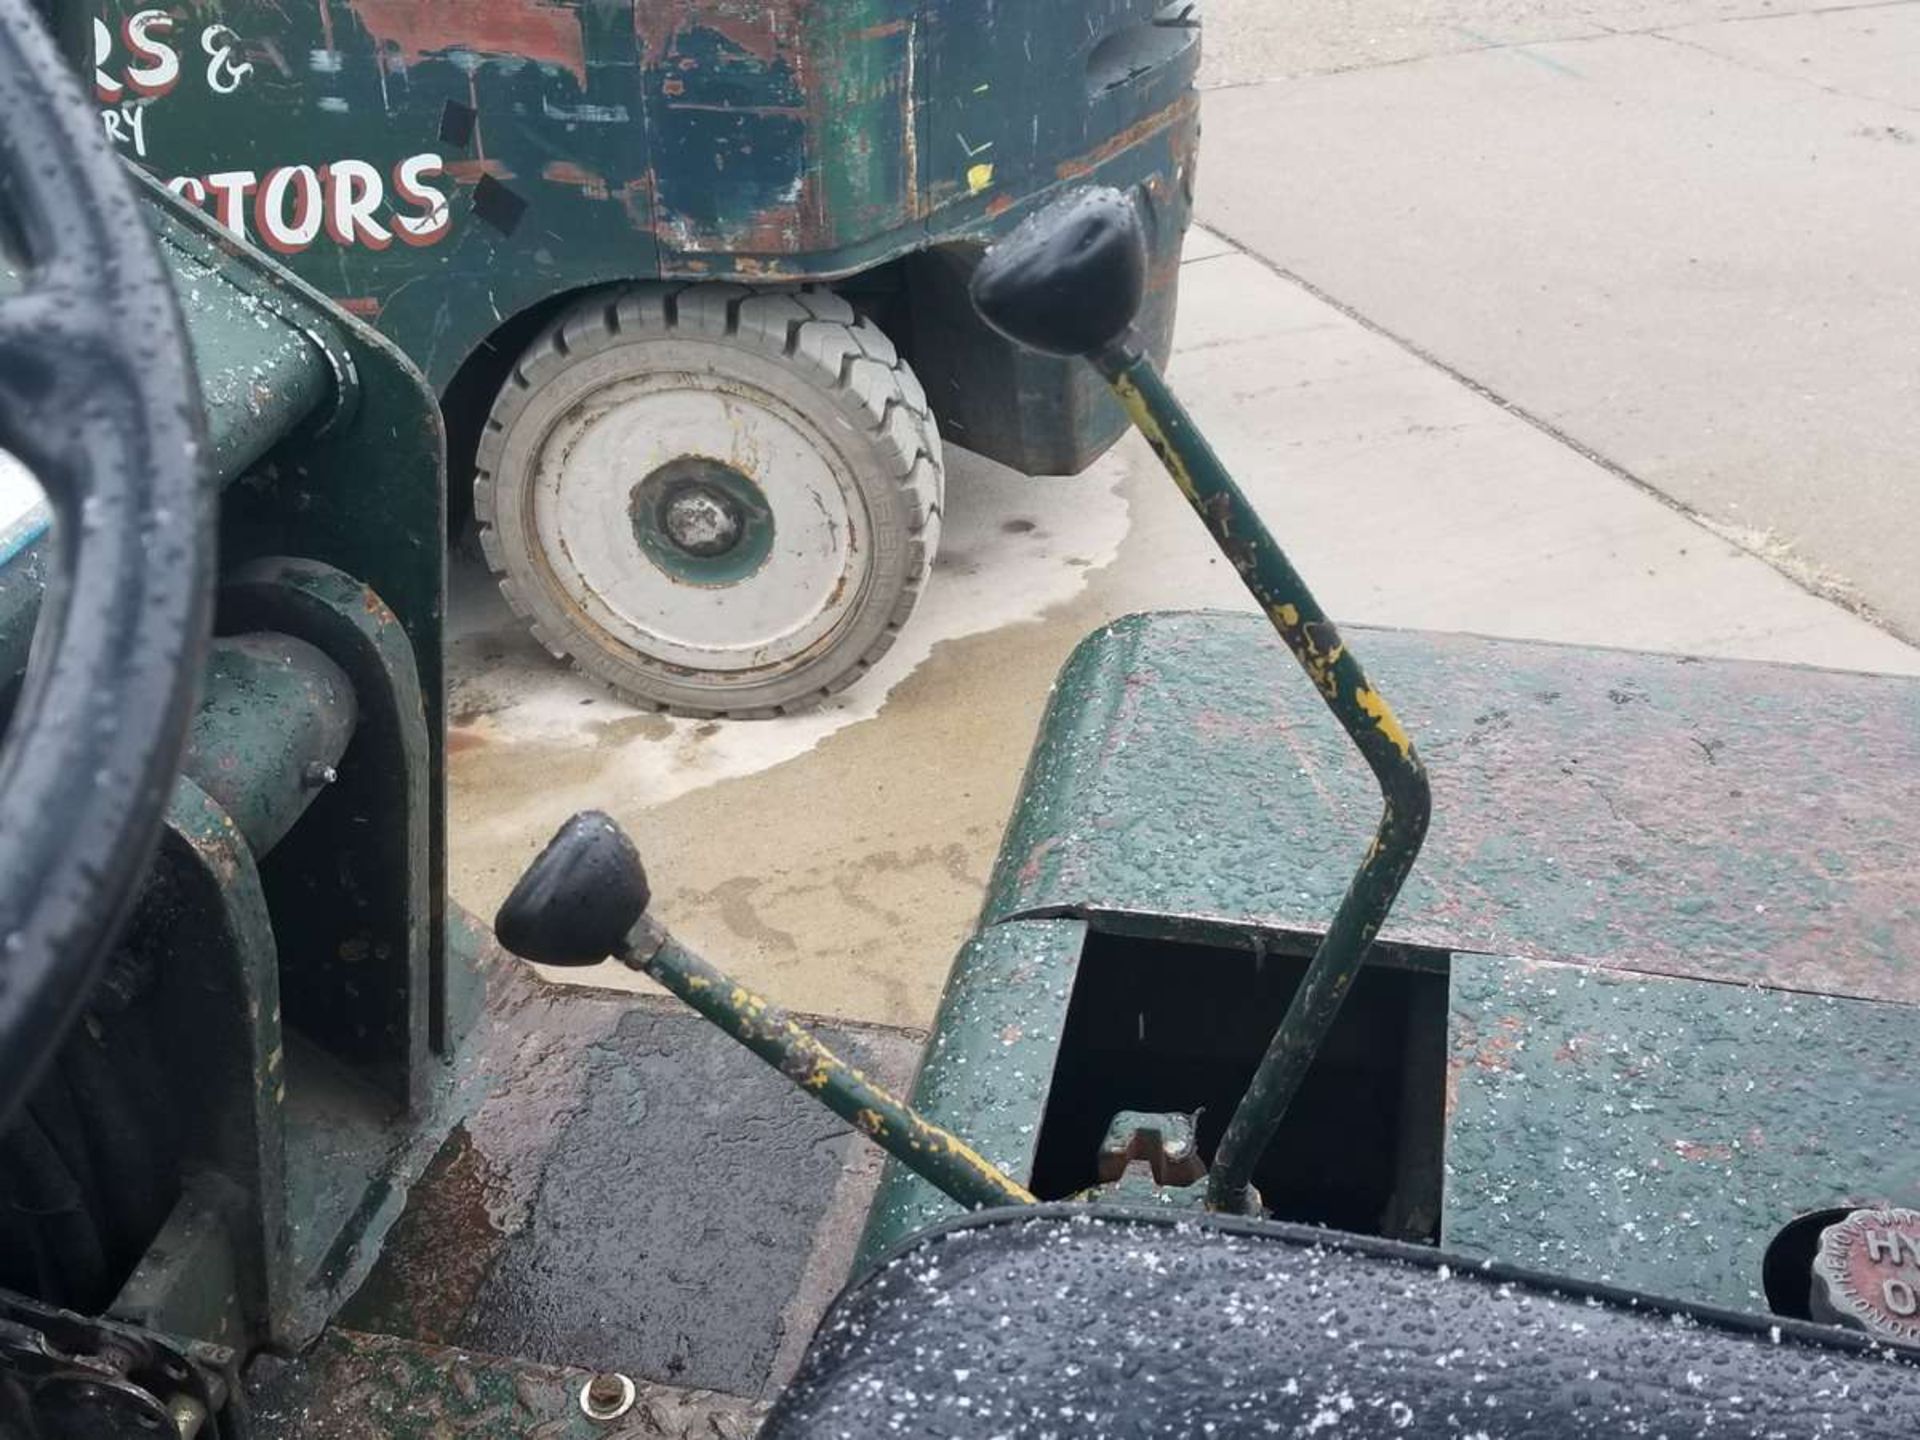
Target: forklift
point(689, 276)
point(1501, 1058)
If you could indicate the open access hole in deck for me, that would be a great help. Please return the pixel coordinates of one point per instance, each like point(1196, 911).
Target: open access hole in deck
point(1159, 1025)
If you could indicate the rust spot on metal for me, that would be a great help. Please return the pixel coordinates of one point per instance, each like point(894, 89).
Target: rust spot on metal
point(536, 30)
point(999, 205)
point(1164, 1143)
point(636, 198)
point(468, 172)
point(441, 1249)
point(762, 30)
point(1126, 139)
point(1036, 857)
point(1489, 1052)
point(566, 172)
point(367, 307)
point(1574, 1049)
point(1702, 1150)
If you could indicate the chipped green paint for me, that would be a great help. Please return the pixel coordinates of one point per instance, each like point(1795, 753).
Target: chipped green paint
point(1658, 1133)
point(329, 447)
point(275, 717)
point(1598, 806)
point(265, 370)
point(366, 938)
point(442, 168)
point(222, 989)
point(326, 441)
point(987, 1067)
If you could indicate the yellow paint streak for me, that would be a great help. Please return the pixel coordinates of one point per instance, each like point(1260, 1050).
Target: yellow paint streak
point(1317, 663)
point(1385, 721)
point(979, 177)
point(1012, 1189)
point(1142, 417)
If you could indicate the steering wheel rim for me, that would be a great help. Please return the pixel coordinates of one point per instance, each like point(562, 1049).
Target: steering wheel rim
point(99, 400)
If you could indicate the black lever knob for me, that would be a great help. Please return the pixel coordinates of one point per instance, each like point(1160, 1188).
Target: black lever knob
point(1070, 279)
point(579, 898)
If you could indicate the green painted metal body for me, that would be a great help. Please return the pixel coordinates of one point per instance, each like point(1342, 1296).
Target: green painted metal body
point(1657, 1133)
point(443, 168)
point(283, 981)
point(1665, 954)
point(1649, 812)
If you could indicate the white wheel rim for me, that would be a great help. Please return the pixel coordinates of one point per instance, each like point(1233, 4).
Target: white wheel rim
point(595, 457)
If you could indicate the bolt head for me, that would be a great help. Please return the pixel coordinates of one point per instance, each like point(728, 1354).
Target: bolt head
point(608, 1396)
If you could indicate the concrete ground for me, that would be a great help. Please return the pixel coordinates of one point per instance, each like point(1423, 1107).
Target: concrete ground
point(837, 860)
point(1678, 231)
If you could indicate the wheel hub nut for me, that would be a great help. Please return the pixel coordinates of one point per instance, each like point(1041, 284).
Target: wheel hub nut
point(702, 522)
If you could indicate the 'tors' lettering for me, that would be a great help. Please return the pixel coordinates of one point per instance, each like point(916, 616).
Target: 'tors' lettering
point(287, 208)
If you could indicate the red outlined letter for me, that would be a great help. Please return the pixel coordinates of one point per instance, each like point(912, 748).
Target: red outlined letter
point(354, 192)
point(281, 232)
point(156, 65)
point(432, 225)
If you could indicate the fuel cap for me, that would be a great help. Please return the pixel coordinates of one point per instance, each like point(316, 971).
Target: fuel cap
point(1866, 1274)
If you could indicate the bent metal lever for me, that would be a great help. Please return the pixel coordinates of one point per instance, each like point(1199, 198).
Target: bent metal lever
point(585, 898)
point(1069, 282)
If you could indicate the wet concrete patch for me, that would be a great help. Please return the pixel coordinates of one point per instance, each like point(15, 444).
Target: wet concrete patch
point(690, 1213)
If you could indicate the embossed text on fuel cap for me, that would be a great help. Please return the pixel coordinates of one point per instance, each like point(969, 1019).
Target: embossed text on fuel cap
point(1866, 1274)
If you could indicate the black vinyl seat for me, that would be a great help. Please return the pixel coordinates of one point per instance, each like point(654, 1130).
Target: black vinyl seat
point(1062, 1321)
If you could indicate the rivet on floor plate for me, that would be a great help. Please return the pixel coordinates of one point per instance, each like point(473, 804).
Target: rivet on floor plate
point(607, 1397)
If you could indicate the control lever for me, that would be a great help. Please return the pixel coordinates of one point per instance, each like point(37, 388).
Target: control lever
point(1069, 282)
point(585, 899)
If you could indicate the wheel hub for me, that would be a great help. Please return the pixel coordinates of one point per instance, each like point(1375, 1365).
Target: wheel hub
point(712, 527)
point(702, 521)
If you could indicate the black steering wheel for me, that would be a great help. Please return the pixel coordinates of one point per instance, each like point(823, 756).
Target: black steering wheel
point(98, 399)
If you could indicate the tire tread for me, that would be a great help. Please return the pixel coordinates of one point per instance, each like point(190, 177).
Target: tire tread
point(812, 328)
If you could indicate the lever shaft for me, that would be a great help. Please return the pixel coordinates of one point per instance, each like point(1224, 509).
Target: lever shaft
point(934, 1153)
point(1362, 712)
